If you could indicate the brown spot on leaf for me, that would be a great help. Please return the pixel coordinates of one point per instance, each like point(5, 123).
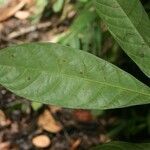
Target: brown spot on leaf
point(12, 55)
point(141, 54)
point(83, 115)
point(64, 60)
point(28, 78)
point(81, 72)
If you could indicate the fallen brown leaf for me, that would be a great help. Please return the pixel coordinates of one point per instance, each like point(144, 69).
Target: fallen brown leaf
point(83, 115)
point(10, 9)
point(47, 122)
point(22, 15)
point(41, 141)
point(75, 144)
point(55, 109)
point(1, 27)
point(5, 146)
point(2, 116)
point(3, 120)
point(30, 2)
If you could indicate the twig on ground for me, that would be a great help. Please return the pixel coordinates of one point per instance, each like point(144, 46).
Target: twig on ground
point(23, 31)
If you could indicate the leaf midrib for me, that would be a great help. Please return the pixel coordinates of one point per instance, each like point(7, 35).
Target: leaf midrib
point(86, 79)
point(134, 27)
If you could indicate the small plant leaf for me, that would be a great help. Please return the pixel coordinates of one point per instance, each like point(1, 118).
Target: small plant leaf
point(129, 24)
point(122, 146)
point(60, 75)
point(58, 5)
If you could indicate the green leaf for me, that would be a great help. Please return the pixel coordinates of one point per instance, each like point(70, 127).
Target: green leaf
point(85, 18)
point(36, 105)
point(39, 8)
point(122, 146)
point(58, 5)
point(129, 24)
point(60, 75)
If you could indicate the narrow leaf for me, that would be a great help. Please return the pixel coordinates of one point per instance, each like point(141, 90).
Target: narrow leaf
point(129, 24)
point(59, 75)
point(123, 146)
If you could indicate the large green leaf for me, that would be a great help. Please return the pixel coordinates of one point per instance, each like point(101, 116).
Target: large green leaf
point(123, 146)
point(130, 26)
point(59, 75)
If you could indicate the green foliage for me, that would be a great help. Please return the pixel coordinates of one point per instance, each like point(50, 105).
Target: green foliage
point(58, 5)
point(85, 32)
point(59, 75)
point(40, 5)
point(36, 105)
point(129, 24)
point(122, 146)
point(129, 123)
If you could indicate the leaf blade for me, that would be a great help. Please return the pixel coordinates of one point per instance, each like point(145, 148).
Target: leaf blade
point(129, 24)
point(116, 145)
point(60, 75)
